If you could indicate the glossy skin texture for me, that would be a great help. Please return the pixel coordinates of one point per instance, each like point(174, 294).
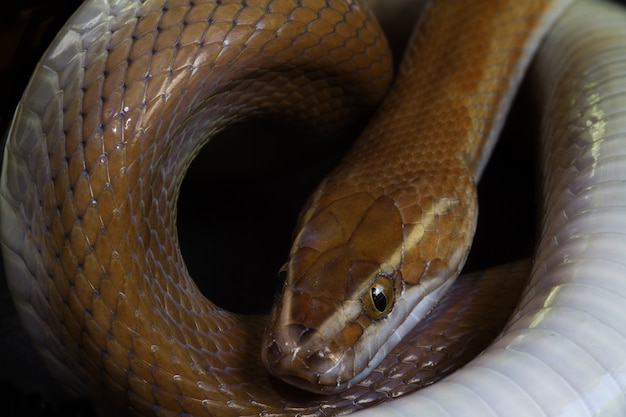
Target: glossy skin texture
point(111, 306)
point(401, 210)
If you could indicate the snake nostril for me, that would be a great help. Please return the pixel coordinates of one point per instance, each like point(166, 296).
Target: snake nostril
point(287, 343)
point(306, 335)
point(272, 354)
point(293, 336)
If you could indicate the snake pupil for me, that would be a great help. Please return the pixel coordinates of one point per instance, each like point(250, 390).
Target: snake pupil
point(379, 298)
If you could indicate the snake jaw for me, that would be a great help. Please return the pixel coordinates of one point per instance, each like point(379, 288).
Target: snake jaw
point(320, 360)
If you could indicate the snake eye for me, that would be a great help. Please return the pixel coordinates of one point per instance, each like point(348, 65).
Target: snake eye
point(379, 299)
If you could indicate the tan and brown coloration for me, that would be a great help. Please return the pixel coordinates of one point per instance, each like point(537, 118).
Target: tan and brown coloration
point(403, 204)
point(116, 111)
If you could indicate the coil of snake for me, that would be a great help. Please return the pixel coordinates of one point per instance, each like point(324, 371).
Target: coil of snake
point(130, 91)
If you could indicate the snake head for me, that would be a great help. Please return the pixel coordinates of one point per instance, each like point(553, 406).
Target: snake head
point(351, 291)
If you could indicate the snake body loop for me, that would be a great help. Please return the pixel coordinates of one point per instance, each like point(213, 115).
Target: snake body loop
point(130, 91)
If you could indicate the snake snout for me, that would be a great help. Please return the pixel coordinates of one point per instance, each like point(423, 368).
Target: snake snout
point(302, 357)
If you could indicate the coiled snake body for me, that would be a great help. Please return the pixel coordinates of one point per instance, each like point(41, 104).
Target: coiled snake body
point(130, 91)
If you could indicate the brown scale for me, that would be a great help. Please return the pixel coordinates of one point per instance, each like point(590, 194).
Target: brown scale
point(125, 323)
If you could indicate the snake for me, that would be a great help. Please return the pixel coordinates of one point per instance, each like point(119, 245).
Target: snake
point(130, 91)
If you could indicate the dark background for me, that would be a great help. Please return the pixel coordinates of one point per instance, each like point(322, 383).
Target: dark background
point(236, 227)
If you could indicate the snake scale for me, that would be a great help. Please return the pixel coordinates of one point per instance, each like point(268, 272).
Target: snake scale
point(88, 205)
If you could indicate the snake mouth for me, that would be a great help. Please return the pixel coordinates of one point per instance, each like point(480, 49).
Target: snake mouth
point(300, 357)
